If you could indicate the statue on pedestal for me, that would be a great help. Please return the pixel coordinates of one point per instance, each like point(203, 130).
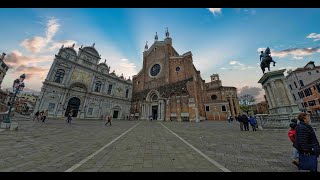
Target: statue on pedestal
point(266, 59)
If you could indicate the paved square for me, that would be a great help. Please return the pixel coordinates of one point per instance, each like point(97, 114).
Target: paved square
point(149, 146)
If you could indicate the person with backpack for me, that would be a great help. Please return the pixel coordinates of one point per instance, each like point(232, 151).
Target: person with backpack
point(245, 121)
point(44, 116)
point(108, 118)
point(292, 135)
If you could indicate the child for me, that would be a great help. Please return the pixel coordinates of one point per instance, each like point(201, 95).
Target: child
point(292, 135)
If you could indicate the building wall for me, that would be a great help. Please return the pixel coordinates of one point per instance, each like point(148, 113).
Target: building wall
point(308, 75)
point(3, 68)
point(81, 77)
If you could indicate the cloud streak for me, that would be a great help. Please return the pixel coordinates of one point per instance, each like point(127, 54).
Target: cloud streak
point(37, 43)
point(314, 36)
point(295, 53)
point(237, 65)
point(215, 11)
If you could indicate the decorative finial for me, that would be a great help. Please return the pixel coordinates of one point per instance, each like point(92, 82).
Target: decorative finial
point(156, 37)
point(146, 46)
point(62, 46)
point(93, 44)
point(73, 45)
point(81, 46)
point(167, 33)
point(105, 61)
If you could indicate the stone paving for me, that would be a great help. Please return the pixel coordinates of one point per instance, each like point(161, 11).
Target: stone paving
point(55, 146)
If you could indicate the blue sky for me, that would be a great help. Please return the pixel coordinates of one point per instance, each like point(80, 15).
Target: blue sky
point(223, 41)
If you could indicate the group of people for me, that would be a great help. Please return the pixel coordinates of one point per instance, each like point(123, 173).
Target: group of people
point(305, 143)
point(244, 121)
point(41, 115)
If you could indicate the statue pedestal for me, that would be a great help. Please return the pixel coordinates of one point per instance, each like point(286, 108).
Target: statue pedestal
point(282, 107)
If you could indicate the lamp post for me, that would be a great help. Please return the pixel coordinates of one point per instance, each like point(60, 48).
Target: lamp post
point(17, 86)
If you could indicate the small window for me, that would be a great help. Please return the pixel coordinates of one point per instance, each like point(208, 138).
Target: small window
point(294, 97)
point(127, 93)
point(138, 82)
point(59, 76)
point(207, 108)
point(214, 97)
point(109, 89)
point(90, 110)
point(290, 86)
point(51, 107)
point(97, 86)
point(309, 73)
point(223, 108)
point(295, 84)
point(302, 105)
point(317, 71)
point(301, 83)
point(177, 69)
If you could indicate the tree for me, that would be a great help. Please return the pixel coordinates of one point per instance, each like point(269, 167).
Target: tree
point(246, 101)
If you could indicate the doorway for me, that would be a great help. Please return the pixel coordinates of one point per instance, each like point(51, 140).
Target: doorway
point(73, 104)
point(155, 112)
point(115, 114)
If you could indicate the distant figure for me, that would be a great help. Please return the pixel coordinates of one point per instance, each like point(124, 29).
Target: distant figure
point(36, 115)
point(231, 118)
point(41, 115)
point(45, 114)
point(108, 119)
point(69, 118)
point(253, 123)
point(292, 135)
point(151, 118)
point(307, 144)
point(245, 121)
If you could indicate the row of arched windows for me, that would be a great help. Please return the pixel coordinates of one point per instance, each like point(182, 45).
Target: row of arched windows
point(60, 74)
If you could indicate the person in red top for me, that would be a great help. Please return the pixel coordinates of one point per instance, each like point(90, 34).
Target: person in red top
point(292, 135)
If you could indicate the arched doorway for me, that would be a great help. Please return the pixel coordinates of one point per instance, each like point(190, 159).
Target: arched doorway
point(73, 104)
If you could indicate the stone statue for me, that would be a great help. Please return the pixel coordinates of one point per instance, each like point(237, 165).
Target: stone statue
point(266, 59)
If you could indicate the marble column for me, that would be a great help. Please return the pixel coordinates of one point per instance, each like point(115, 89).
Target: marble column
point(50, 74)
point(143, 112)
point(274, 105)
point(178, 109)
point(159, 111)
point(288, 92)
point(275, 93)
point(168, 110)
point(268, 97)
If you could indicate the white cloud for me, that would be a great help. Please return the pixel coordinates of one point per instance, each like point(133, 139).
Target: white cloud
point(37, 43)
point(295, 53)
point(215, 11)
point(239, 66)
point(314, 36)
point(223, 68)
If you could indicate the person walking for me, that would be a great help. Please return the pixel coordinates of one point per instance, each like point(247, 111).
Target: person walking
point(45, 114)
point(36, 115)
point(108, 119)
point(41, 115)
point(292, 135)
point(307, 144)
point(253, 123)
point(245, 121)
point(241, 122)
point(69, 118)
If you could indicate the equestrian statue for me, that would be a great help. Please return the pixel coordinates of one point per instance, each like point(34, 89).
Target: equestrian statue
point(266, 59)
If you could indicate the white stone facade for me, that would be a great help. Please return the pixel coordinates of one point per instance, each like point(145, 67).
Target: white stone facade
point(76, 81)
point(301, 79)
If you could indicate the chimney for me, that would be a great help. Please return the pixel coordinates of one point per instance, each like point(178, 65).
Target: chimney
point(3, 55)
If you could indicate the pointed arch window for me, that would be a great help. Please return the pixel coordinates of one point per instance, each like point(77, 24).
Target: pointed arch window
point(98, 86)
point(59, 76)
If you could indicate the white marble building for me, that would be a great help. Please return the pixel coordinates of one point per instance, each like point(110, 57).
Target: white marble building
point(76, 81)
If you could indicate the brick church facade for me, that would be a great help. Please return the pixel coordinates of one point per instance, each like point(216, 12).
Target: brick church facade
point(170, 88)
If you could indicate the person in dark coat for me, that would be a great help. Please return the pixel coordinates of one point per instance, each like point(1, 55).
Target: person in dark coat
point(306, 141)
point(245, 121)
point(241, 122)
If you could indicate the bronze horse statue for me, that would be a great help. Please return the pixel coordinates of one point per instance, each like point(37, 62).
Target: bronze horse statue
point(266, 59)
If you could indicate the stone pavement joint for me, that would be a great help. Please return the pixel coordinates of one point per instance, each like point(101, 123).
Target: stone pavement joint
point(98, 151)
point(197, 150)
